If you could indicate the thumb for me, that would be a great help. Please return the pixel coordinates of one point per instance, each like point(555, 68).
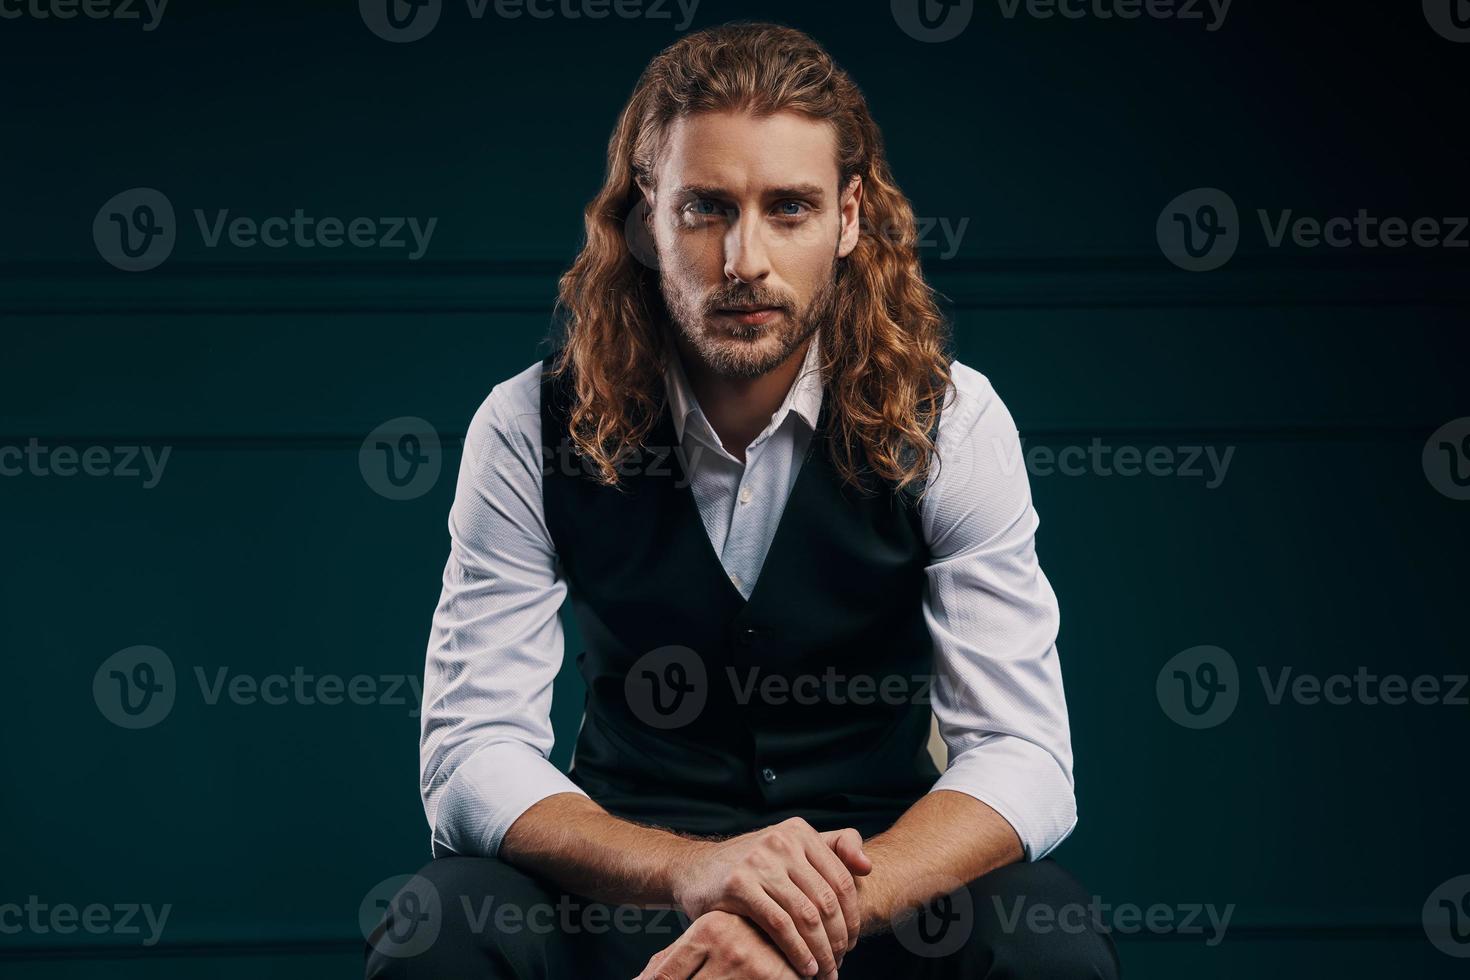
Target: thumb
point(847, 844)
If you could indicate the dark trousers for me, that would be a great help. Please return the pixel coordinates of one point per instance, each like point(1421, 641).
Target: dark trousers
point(483, 918)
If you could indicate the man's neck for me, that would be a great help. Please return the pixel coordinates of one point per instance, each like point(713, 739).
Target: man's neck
point(739, 408)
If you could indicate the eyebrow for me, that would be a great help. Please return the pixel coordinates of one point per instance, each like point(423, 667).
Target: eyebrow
point(791, 190)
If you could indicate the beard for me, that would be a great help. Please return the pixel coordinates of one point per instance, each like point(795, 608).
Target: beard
point(731, 349)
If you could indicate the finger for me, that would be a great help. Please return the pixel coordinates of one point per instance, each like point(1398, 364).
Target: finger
point(838, 876)
point(847, 844)
point(824, 897)
point(678, 962)
point(650, 969)
point(778, 925)
point(808, 919)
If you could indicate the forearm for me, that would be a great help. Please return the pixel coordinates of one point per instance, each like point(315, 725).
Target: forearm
point(572, 841)
point(944, 840)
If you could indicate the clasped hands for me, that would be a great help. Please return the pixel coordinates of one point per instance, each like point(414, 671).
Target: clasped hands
point(779, 903)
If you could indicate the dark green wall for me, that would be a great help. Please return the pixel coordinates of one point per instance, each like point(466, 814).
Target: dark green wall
point(1057, 141)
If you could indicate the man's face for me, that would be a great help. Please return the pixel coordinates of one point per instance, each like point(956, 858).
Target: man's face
point(749, 225)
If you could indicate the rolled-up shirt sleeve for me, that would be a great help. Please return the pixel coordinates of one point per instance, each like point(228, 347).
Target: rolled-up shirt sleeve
point(994, 619)
point(496, 642)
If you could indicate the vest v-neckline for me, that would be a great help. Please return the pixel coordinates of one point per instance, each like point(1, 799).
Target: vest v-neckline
point(685, 489)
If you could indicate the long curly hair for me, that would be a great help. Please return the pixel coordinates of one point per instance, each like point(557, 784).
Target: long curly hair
point(885, 355)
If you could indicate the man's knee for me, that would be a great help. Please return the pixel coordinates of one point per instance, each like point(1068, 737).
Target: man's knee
point(1033, 919)
point(439, 921)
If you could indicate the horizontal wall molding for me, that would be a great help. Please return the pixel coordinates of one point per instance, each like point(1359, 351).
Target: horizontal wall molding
point(265, 946)
point(529, 286)
point(453, 440)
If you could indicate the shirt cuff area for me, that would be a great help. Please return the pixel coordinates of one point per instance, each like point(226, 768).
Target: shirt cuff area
point(1023, 783)
point(488, 792)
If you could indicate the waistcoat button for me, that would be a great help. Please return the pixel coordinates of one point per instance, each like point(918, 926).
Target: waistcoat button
point(768, 774)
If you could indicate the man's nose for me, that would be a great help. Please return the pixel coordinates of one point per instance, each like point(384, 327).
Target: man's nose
point(746, 257)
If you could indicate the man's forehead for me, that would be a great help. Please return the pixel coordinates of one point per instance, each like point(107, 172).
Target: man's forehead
point(741, 151)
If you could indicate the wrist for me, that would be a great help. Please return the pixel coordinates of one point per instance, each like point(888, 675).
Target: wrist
point(875, 907)
point(673, 869)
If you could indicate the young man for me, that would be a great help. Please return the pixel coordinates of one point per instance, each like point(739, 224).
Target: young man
point(780, 511)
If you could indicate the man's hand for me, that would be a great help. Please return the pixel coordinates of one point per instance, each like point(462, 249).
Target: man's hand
point(720, 946)
point(792, 882)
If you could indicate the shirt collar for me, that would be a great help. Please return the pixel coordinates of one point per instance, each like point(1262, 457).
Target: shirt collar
point(804, 397)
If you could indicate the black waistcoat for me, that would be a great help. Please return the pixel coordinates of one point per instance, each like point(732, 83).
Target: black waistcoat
point(711, 714)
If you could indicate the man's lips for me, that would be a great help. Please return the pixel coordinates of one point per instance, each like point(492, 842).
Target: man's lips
point(750, 316)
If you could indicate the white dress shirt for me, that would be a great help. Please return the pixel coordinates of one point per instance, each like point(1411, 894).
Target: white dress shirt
point(497, 642)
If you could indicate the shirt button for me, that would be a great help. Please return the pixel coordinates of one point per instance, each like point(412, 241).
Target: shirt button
point(745, 495)
point(768, 774)
point(736, 579)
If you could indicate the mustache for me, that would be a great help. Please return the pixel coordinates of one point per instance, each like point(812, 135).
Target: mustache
point(728, 298)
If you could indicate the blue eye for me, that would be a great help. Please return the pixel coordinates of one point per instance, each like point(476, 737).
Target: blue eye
point(792, 204)
point(703, 202)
